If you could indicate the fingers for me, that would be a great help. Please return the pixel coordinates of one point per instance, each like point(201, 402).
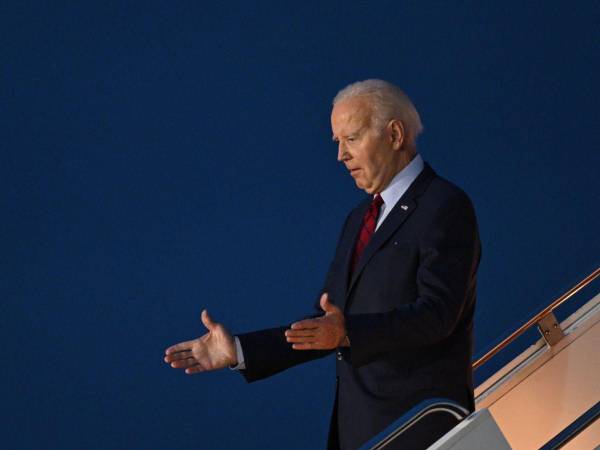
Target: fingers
point(207, 321)
point(302, 333)
point(307, 346)
point(182, 346)
point(300, 336)
point(185, 360)
point(307, 324)
point(177, 356)
point(300, 340)
point(181, 360)
point(195, 369)
point(184, 363)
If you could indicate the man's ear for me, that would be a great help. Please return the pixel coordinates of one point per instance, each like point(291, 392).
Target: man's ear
point(397, 134)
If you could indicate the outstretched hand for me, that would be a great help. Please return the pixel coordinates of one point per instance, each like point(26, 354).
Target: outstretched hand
point(322, 333)
point(215, 350)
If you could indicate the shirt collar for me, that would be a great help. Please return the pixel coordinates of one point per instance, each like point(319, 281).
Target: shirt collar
point(401, 182)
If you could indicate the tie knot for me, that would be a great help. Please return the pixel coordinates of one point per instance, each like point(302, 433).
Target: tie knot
point(377, 201)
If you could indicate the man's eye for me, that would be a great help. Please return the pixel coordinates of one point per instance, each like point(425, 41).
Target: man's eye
point(351, 139)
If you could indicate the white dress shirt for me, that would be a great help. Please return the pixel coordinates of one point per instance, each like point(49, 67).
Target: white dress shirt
point(398, 186)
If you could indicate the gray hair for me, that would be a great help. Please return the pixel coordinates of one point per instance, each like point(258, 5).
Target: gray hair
point(388, 102)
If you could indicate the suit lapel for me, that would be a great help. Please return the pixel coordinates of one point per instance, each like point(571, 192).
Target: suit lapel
point(397, 216)
point(353, 232)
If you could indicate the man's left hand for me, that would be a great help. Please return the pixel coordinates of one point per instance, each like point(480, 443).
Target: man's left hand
point(323, 333)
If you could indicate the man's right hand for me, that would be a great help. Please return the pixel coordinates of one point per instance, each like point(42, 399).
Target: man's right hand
point(215, 350)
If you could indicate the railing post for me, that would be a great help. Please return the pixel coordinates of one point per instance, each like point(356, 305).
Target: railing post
point(550, 329)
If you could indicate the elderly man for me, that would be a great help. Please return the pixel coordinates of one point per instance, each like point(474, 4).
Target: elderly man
point(398, 302)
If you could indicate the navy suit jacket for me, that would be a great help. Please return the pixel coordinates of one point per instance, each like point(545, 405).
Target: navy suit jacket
point(409, 308)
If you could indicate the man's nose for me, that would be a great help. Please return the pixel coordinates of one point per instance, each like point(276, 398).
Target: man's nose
point(342, 153)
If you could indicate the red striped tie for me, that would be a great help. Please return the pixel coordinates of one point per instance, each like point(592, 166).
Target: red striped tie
point(367, 230)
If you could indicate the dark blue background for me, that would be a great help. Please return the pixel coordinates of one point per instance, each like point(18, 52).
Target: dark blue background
point(160, 158)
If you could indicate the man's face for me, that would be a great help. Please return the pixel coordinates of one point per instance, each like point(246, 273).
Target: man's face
point(367, 152)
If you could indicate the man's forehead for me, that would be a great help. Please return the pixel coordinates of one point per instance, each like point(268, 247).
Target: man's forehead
point(354, 112)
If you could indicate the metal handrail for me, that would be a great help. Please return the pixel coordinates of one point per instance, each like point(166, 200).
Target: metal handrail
point(547, 310)
point(574, 429)
point(412, 417)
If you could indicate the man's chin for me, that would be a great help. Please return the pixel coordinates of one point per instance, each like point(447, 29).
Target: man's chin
point(368, 189)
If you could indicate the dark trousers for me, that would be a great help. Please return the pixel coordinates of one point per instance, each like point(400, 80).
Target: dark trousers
point(333, 441)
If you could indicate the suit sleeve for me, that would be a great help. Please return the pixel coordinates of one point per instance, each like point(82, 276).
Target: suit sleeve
point(267, 352)
point(449, 253)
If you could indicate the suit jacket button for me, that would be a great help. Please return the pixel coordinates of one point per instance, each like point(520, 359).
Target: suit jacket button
point(339, 355)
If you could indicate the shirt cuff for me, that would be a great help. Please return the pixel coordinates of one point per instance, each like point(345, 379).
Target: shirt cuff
point(241, 364)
